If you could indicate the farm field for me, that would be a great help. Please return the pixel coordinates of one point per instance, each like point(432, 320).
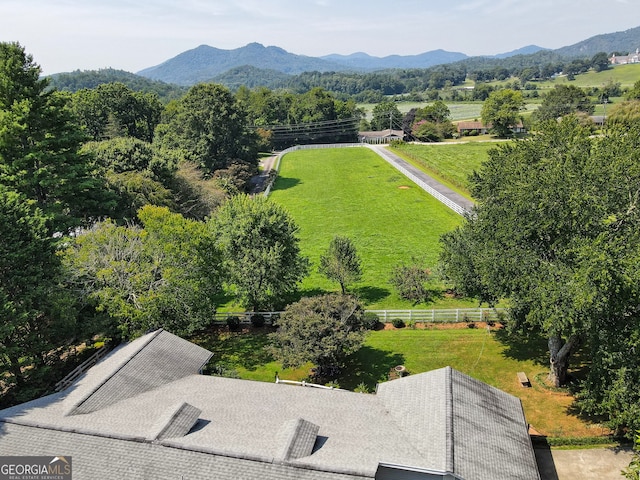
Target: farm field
point(450, 163)
point(489, 357)
point(354, 193)
point(459, 110)
point(626, 75)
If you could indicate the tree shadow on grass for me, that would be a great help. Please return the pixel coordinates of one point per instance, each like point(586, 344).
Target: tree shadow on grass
point(238, 349)
point(283, 183)
point(532, 346)
point(369, 366)
point(369, 294)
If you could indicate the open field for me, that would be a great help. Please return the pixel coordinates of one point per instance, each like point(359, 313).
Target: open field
point(354, 193)
point(450, 163)
point(490, 357)
point(626, 75)
point(459, 110)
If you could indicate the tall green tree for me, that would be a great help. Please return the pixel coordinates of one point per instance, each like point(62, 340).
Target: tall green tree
point(39, 143)
point(341, 262)
point(114, 110)
point(563, 100)
point(211, 127)
point(322, 330)
point(34, 309)
point(260, 248)
point(501, 110)
point(553, 231)
point(386, 115)
point(624, 113)
point(135, 173)
point(163, 274)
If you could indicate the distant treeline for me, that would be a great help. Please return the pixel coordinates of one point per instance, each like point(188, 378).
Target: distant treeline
point(361, 87)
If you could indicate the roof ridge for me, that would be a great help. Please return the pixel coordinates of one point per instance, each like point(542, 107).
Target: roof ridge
point(85, 398)
point(297, 438)
point(177, 421)
point(449, 449)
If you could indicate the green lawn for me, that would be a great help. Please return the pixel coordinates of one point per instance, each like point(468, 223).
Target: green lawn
point(626, 75)
point(353, 192)
point(459, 110)
point(490, 357)
point(451, 163)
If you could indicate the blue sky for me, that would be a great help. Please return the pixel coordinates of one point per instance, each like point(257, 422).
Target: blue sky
point(64, 35)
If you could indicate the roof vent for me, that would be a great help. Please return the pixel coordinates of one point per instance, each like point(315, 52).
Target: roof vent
point(176, 422)
point(297, 438)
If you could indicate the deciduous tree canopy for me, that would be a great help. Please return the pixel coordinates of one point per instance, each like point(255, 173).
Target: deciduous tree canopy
point(261, 255)
point(556, 231)
point(341, 262)
point(322, 330)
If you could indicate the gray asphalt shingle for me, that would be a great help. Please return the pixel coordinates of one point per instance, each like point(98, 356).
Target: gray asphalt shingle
point(144, 412)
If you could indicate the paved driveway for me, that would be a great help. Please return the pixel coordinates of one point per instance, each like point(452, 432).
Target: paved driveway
point(588, 464)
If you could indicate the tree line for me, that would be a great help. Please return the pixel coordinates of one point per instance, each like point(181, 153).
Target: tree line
point(370, 87)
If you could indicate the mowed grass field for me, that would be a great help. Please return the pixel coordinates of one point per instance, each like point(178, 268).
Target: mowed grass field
point(450, 163)
point(354, 193)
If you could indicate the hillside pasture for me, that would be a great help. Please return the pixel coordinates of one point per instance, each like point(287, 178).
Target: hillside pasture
point(355, 193)
point(449, 163)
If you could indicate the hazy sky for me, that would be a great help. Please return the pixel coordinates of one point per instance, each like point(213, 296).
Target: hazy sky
point(65, 35)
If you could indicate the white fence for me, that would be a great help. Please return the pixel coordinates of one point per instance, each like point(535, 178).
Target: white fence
point(457, 315)
point(427, 188)
point(80, 369)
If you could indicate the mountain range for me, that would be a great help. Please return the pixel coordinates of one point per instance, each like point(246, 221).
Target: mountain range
point(206, 63)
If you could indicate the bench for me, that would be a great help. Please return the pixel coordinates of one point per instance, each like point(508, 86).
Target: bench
point(524, 380)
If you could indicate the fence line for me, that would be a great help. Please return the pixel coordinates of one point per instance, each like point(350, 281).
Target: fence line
point(427, 188)
point(457, 315)
point(80, 369)
point(306, 384)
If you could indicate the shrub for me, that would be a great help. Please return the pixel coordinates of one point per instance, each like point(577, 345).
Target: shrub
point(410, 281)
point(397, 323)
point(362, 388)
point(257, 320)
point(233, 323)
point(370, 321)
point(221, 371)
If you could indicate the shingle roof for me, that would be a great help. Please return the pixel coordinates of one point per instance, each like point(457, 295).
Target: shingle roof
point(146, 363)
point(462, 425)
point(439, 421)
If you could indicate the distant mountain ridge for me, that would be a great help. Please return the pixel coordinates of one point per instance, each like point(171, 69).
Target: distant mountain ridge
point(203, 63)
point(363, 61)
point(206, 63)
point(625, 41)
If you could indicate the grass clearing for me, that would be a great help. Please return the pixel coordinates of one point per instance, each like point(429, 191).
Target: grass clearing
point(355, 193)
point(490, 357)
point(450, 163)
